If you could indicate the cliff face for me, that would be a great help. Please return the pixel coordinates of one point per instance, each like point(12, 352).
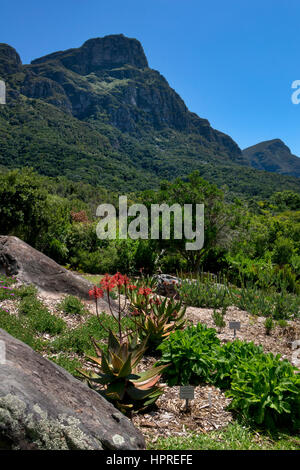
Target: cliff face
point(110, 76)
point(273, 155)
point(98, 113)
point(100, 53)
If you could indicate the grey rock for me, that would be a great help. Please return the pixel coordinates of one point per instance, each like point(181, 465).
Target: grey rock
point(166, 285)
point(42, 406)
point(33, 267)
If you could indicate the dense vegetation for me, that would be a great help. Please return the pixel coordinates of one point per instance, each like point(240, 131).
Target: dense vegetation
point(254, 242)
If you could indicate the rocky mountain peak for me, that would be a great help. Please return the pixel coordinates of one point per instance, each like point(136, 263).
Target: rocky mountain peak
point(10, 61)
point(100, 54)
point(273, 155)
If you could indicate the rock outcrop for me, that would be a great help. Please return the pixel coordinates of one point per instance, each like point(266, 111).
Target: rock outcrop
point(17, 258)
point(10, 61)
point(42, 406)
point(100, 53)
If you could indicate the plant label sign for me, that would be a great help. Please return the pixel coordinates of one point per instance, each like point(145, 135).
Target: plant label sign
point(187, 392)
point(234, 325)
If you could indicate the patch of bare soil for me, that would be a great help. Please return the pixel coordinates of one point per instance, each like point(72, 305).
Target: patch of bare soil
point(252, 329)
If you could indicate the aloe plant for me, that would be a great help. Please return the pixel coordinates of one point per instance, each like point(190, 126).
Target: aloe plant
point(118, 380)
point(156, 319)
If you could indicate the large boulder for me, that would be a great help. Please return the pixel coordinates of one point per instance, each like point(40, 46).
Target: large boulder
point(31, 266)
point(42, 406)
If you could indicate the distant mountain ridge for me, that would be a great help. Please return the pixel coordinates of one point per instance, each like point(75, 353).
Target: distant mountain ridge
point(273, 155)
point(99, 114)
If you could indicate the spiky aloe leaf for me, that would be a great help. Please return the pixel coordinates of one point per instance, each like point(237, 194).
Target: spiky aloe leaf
point(127, 367)
point(96, 360)
point(88, 374)
point(97, 348)
point(148, 383)
point(105, 365)
point(113, 342)
point(116, 362)
point(148, 374)
point(137, 394)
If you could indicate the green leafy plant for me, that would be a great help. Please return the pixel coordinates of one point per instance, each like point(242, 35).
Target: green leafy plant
point(266, 391)
point(191, 355)
point(228, 358)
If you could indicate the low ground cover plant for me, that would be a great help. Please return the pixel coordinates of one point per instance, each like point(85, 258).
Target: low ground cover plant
point(39, 318)
point(265, 389)
point(71, 305)
point(208, 292)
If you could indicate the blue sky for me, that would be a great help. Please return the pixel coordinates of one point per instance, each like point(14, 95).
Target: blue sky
point(232, 61)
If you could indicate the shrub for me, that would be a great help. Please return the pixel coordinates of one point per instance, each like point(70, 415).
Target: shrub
point(191, 355)
point(283, 251)
point(269, 325)
point(218, 318)
point(204, 293)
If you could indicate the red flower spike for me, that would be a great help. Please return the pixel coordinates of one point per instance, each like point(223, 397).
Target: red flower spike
point(96, 293)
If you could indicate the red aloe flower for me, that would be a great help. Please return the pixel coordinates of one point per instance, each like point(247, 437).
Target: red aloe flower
point(132, 287)
point(145, 291)
point(96, 293)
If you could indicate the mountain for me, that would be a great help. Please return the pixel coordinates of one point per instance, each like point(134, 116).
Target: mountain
point(273, 155)
point(100, 114)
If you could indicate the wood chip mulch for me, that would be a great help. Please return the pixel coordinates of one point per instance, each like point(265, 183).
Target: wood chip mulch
point(207, 412)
